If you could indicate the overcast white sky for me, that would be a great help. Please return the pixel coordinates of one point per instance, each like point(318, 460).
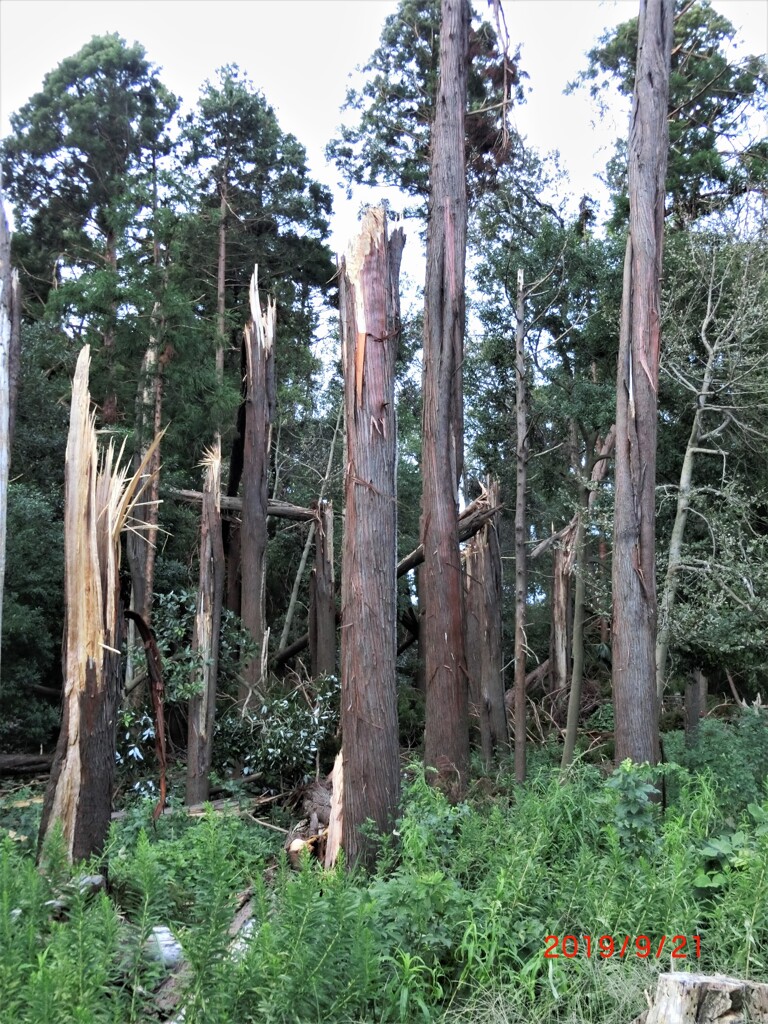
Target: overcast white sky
point(300, 53)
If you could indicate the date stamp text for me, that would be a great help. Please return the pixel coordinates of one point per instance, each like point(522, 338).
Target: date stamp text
point(678, 947)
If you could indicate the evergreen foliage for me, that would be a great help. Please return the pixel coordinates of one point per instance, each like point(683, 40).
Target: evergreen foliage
point(715, 149)
point(388, 139)
point(96, 124)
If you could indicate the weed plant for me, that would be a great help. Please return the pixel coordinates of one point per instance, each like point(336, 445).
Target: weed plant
point(451, 927)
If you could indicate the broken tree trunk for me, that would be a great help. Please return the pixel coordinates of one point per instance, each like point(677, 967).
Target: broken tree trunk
point(482, 606)
point(370, 326)
point(259, 411)
point(522, 448)
point(98, 496)
point(706, 999)
point(10, 314)
point(695, 706)
point(322, 597)
point(446, 732)
point(141, 543)
point(589, 496)
point(205, 639)
point(559, 659)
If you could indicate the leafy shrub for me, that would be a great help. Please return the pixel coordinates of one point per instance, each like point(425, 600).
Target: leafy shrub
point(734, 752)
point(285, 736)
point(174, 626)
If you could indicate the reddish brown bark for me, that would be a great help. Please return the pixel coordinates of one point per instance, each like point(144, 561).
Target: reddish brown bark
point(446, 735)
point(482, 580)
point(370, 329)
point(634, 544)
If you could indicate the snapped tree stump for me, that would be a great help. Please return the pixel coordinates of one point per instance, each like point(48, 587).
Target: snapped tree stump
point(706, 999)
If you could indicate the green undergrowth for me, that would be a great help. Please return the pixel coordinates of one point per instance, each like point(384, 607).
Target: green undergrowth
point(452, 927)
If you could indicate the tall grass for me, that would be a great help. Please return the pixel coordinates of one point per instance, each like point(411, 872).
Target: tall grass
point(451, 928)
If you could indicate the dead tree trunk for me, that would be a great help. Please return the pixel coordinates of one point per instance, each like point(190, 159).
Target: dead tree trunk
point(205, 639)
point(559, 647)
point(695, 705)
point(322, 599)
point(597, 474)
point(10, 316)
point(684, 495)
point(98, 498)
point(259, 411)
point(634, 544)
point(370, 311)
point(482, 581)
point(446, 735)
point(141, 543)
point(521, 553)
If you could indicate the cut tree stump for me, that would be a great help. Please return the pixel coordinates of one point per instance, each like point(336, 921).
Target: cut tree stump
point(706, 999)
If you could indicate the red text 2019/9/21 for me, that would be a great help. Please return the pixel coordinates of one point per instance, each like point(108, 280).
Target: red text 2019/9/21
point(678, 947)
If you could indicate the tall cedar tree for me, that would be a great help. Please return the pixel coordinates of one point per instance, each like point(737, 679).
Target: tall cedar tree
point(446, 737)
point(634, 544)
point(258, 205)
point(717, 149)
point(389, 142)
point(75, 146)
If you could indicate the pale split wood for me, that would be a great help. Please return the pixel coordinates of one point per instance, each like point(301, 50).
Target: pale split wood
point(333, 836)
point(99, 493)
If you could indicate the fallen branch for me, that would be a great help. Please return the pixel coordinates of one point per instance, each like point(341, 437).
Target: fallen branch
point(227, 806)
point(23, 764)
point(471, 521)
point(171, 988)
point(279, 509)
